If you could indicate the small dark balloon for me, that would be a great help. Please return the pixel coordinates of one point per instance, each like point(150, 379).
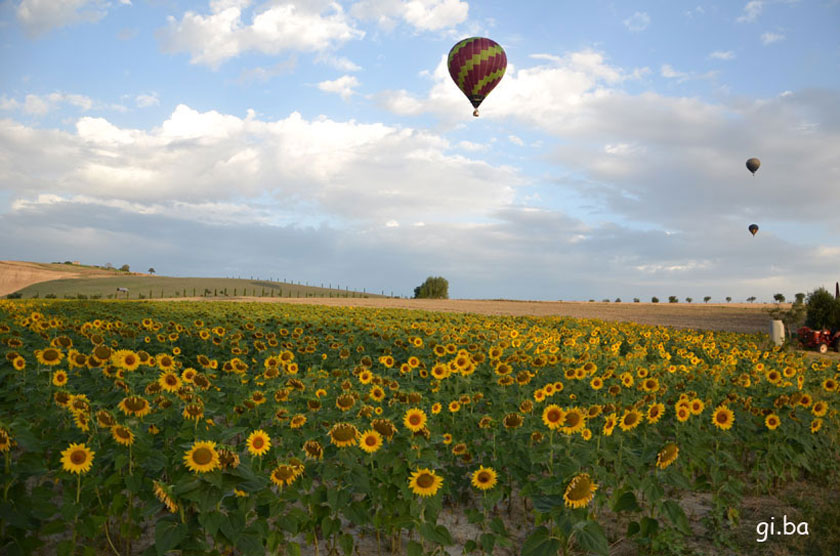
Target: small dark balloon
point(753, 164)
point(753, 229)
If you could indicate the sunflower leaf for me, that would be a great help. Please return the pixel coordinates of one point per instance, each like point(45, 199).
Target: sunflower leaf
point(414, 548)
point(590, 536)
point(677, 516)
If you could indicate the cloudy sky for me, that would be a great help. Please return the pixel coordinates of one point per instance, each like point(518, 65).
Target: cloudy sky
point(324, 141)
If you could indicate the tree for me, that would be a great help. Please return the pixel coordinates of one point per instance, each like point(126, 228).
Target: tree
point(823, 311)
point(779, 298)
point(125, 268)
point(673, 299)
point(151, 270)
point(800, 298)
point(654, 299)
point(109, 266)
point(728, 299)
point(618, 300)
point(636, 300)
point(433, 288)
point(707, 298)
point(689, 299)
point(750, 299)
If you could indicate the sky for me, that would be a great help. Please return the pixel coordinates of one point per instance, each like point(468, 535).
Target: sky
point(325, 142)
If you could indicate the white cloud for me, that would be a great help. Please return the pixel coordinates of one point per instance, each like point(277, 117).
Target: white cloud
point(668, 72)
point(338, 62)
point(41, 16)
point(7, 103)
point(516, 140)
point(263, 74)
point(40, 105)
point(212, 39)
point(752, 10)
point(770, 37)
point(320, 167)
point(342, 86)
point(423, 15)
point(145, 101)
point(722, 55)
point(639, 21)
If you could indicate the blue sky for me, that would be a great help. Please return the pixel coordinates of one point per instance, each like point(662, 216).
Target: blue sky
point(325, 141)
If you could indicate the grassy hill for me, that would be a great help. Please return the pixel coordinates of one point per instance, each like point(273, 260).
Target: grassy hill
point(155, 287)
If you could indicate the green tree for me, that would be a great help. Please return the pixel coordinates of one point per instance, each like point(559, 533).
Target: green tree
point(125, 268)
point(151, 270)
point(654, 299)
point(800, 297)
point(780, 298)
point(433, 288)
point(689, 299)
point(823, 310)
point(728, 299)
point(673, 299)
point(750, 299)
point(707, 298)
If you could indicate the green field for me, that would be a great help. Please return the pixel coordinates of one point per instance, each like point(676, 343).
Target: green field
point(156, 287)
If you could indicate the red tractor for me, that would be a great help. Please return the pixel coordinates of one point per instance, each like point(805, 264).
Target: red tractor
point(819, 339)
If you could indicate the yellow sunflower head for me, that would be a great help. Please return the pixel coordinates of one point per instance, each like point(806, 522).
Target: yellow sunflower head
point(484, 478)
point(202, 457)
point(580, 491)
point(258, 443)
point(77, 458)
point(370, 441)
point(424, 482)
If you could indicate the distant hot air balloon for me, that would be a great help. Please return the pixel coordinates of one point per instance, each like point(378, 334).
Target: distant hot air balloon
point(753, 229)
point(753, 164)
point(476, 66)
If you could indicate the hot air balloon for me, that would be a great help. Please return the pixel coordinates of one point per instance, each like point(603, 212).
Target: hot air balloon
point(477, 65)
point(753, 164)
point(753, 229)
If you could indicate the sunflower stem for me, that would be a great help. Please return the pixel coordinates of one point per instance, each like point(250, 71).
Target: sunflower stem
point(78, 486)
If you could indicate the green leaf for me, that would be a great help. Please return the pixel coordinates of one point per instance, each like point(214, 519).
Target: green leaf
point(414, 548)
point(633, 528)
point(474, 516)
point(547, 502)
point(438, 535)
point(649, 527)
point(250, 545)
point(626, 503)
point(590, 536)
point(470, 546)
point(677, 516)
point(211, 521)
point(488, 541)
point(357, 513)
point(652, 490)
point(293, 549)
point(346, 543)
point(498, 527)
point(168, 534)
point(539, 543)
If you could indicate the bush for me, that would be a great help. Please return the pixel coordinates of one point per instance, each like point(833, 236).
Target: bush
point(16, 295)
point(823, 311)
point(673, 299)
point(432, 288)
point(636, 300)
point(654, 299)
point(50, 296)
point(125, 268)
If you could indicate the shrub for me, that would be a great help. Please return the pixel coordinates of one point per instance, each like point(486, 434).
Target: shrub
point(16, 295)
point(673, 299)
point(636, 300)
point(433, 288)
point(50, 296)
point(125, 268)
point(654, 299)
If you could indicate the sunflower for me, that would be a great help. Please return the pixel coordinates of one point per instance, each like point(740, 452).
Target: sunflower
point(104, 419)
point(829, 385)
point(345, 402)
point(258, 443)
point(655, 412)
point(513, 421)
point(630, 420)
point(415, 419)
point(484, 478)
point(193, 411)
point(19, 363)
point(553, 416)
point(683, 413)
point(596, 383)
point(77, 458)
point(609, 424)
point(165, 362)
point(169, 381)
point(313, 449)
point(696, 406)
point(122, 435)
point(5, 440)
point(59, 378)
point(819, 409)
point(371, 441)
point(772, 421)
point(202, 457)
point(228, 459)
point(343, 434)
point(723, 418)
point(135, 405)
point(81, 420)
point(297, 421)
point(667, 455)
point(283, 475)
point(580, 491)
point(816, 425)
point(424, 482)
point(125, 359)
point(50, 356)
point(164, 494)
point(574, 421)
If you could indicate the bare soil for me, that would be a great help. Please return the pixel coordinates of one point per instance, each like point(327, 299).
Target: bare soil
point(16, 275)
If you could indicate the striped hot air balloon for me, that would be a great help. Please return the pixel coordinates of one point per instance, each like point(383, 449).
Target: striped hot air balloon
point(477, 65)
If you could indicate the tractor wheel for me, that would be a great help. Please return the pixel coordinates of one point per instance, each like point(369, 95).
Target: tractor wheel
point(823, 348)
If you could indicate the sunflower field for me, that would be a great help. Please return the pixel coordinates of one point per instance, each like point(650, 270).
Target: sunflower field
point(220, 428)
